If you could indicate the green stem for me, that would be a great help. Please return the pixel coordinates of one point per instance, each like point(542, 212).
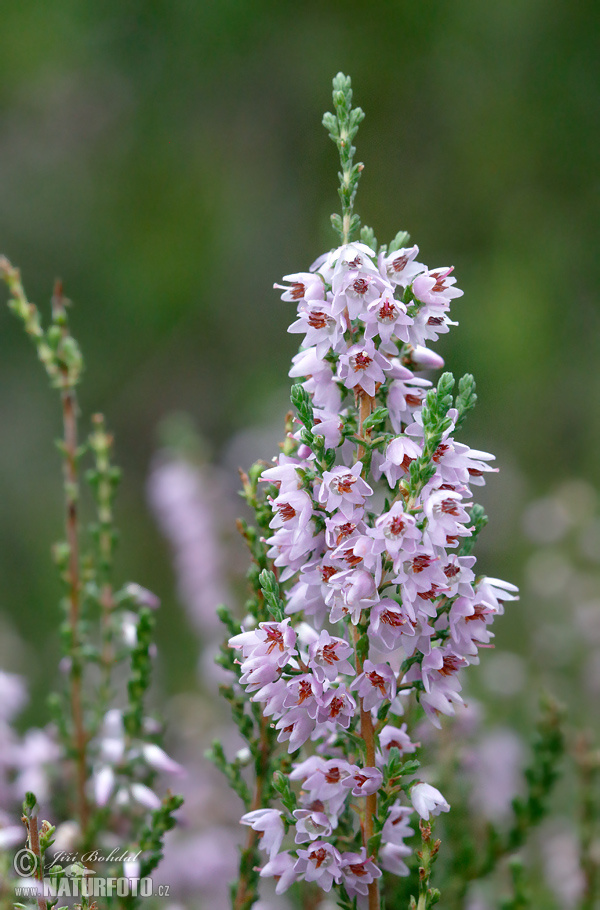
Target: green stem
point(343, 126)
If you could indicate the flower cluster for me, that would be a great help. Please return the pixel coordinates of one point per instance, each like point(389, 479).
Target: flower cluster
point(372, 529)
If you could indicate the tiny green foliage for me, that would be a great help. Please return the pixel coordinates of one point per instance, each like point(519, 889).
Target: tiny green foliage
point(343, 127)
point(270, 589)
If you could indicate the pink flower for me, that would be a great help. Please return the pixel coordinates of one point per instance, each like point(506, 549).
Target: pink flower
point(323, 330)
point(363, 367)
point(435, 287)
point(350, 593)
point(305, 691)
point(323, 780)
point(311, 824)
point(396, 531)
point(337, 706)
point(398, 456)
point(364, 781)
point(427, 800)
point(360, 544)
point(270, 825)
point(358, 872)
point(291, 510)
point(396, 737)
point(389, 622)
point(387, 318)
point(302, 286)
point(376, 684)
point(321, 863)
point(396, 830)
point(281, 868)
point(446, 518)
point(295, 726)
point(421, 358)
point(328, 657)
point(400, 266)
point(272, 640)
point(343, 488)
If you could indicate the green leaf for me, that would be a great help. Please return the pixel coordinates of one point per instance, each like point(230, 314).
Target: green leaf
point(282, 786)
point(362, 647)
point(367, 236)
point(477, 523)
point(336, 221)
point(378, 416)
point(373, 844)
point(466, 398)
point(400, 240)
point(302, 402)
point(271, 591)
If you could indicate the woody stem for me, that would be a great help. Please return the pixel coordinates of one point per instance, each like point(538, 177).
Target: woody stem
point(244, 890)
point(74, 595)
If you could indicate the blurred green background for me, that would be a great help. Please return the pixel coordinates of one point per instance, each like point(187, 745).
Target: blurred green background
point(166, 159)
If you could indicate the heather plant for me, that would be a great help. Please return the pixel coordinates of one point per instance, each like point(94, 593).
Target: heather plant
point(103, 749)
point(366, 607)
point(366, 770)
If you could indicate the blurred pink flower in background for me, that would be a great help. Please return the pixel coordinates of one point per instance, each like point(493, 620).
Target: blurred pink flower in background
point(187, 502)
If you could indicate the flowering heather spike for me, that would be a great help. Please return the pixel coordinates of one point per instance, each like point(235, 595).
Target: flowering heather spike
point(369, 524)
point(109, 758)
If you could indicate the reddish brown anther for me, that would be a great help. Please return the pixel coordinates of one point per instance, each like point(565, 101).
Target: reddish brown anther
point(319, 856)
point(351, 559)
point(297, 291)
point(345, 531)
point(449, 507)
point(387, 310)
point(440, 452)
point(326, 572)
point(406, 463)
point(344, 483)
point(378, 681)
point(275, 637)
point(396, 526)
point(392, 619)
point(361, 361)
point(304, 691)
point(450, 665)
point(431, 594)
point(357, 869)
point(420, 563)
point(317, 319)
point(328, 654)
point(335, 706)
point(286, 511)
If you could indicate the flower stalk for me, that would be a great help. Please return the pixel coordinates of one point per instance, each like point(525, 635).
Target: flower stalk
point(59, 353)
point(366, 607)
point(69, 372)
point(36, 844)
point(112, 754)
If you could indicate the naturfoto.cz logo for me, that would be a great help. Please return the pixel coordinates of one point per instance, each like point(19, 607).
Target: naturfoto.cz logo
point(94, 887)
point(78, 881)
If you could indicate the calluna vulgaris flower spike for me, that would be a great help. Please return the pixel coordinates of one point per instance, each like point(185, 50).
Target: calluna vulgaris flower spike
point(367, 570)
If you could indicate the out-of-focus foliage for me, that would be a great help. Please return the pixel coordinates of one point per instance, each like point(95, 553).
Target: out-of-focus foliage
point(166, 160)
